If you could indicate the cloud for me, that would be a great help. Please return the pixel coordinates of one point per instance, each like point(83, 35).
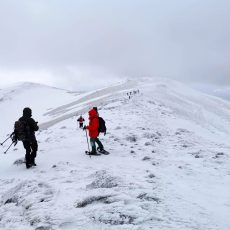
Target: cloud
point(80, 78)
point(186, 40)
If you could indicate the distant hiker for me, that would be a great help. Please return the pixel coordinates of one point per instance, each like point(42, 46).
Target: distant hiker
point(93, 128)
point(81, 121)
point(24, 130)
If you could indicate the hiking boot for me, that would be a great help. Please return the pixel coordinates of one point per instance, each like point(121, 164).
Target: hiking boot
point(100, 150)
point(28, 165)
point(33, 162)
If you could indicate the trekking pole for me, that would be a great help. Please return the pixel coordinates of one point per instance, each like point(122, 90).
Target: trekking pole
point(87, 142)
point(9, 147)
point(5, 140)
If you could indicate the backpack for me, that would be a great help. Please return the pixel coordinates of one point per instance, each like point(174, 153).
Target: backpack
point(102, 127)
point(21, 130)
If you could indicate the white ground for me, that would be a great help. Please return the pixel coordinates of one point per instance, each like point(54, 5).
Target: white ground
point(169, 166)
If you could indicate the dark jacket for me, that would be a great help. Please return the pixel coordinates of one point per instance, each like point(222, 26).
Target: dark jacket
point(80, 119)
point(32, 127)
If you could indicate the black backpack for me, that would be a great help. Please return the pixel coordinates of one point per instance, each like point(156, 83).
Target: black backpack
point(102, 127)
point(21, 130)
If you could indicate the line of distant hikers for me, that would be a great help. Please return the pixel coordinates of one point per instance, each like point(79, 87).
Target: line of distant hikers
point(132, 93)
point(26, 126)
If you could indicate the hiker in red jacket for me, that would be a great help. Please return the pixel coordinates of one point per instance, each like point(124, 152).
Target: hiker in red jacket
point(81, 121)
point(94, 132)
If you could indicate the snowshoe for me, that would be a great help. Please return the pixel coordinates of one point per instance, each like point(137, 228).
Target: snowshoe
point(92, 153)
point(102, 151)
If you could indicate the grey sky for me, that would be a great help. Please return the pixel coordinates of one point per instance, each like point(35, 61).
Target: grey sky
point(56, 41)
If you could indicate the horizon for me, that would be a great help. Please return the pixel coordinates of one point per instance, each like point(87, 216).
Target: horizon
point(222, 92)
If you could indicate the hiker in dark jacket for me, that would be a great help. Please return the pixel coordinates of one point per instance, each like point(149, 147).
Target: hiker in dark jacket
point(81, 121)
point(30, 143)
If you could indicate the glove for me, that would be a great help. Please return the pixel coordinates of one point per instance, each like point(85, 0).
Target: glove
point(15, 143)
point(84, 128)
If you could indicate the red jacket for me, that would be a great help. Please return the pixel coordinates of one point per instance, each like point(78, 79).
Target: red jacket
point(93, 124)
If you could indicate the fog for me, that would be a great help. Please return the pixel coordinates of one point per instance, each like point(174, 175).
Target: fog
point(82, 44)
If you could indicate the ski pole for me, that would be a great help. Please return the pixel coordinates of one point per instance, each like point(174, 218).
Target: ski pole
point(9, 147)
point(87, 141)
point(5, 140)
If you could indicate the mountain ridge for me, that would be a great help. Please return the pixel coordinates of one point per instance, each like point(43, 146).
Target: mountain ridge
point(168, 166)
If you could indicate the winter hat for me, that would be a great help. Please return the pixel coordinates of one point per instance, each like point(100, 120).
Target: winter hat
point(27, 112)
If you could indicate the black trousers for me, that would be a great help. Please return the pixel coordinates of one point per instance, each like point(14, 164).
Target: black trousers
point(31, 150)
point(93, 142)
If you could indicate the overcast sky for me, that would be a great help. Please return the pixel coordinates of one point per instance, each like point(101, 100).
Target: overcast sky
point(80, 43)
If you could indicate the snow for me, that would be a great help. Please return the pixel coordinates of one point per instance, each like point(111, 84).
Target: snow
point(168, 167)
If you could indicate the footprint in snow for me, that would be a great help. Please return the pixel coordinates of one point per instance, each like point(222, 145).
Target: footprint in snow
point(146, 158)
point(94, 199)
point(147, 197)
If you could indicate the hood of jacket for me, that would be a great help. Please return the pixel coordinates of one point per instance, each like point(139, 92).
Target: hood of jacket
point(92, 114)
point(27, 112)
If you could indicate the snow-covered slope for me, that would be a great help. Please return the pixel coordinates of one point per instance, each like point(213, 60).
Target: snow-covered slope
point(39, 97)
point(51, 105)
point(168, 167)
point(223, 93)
